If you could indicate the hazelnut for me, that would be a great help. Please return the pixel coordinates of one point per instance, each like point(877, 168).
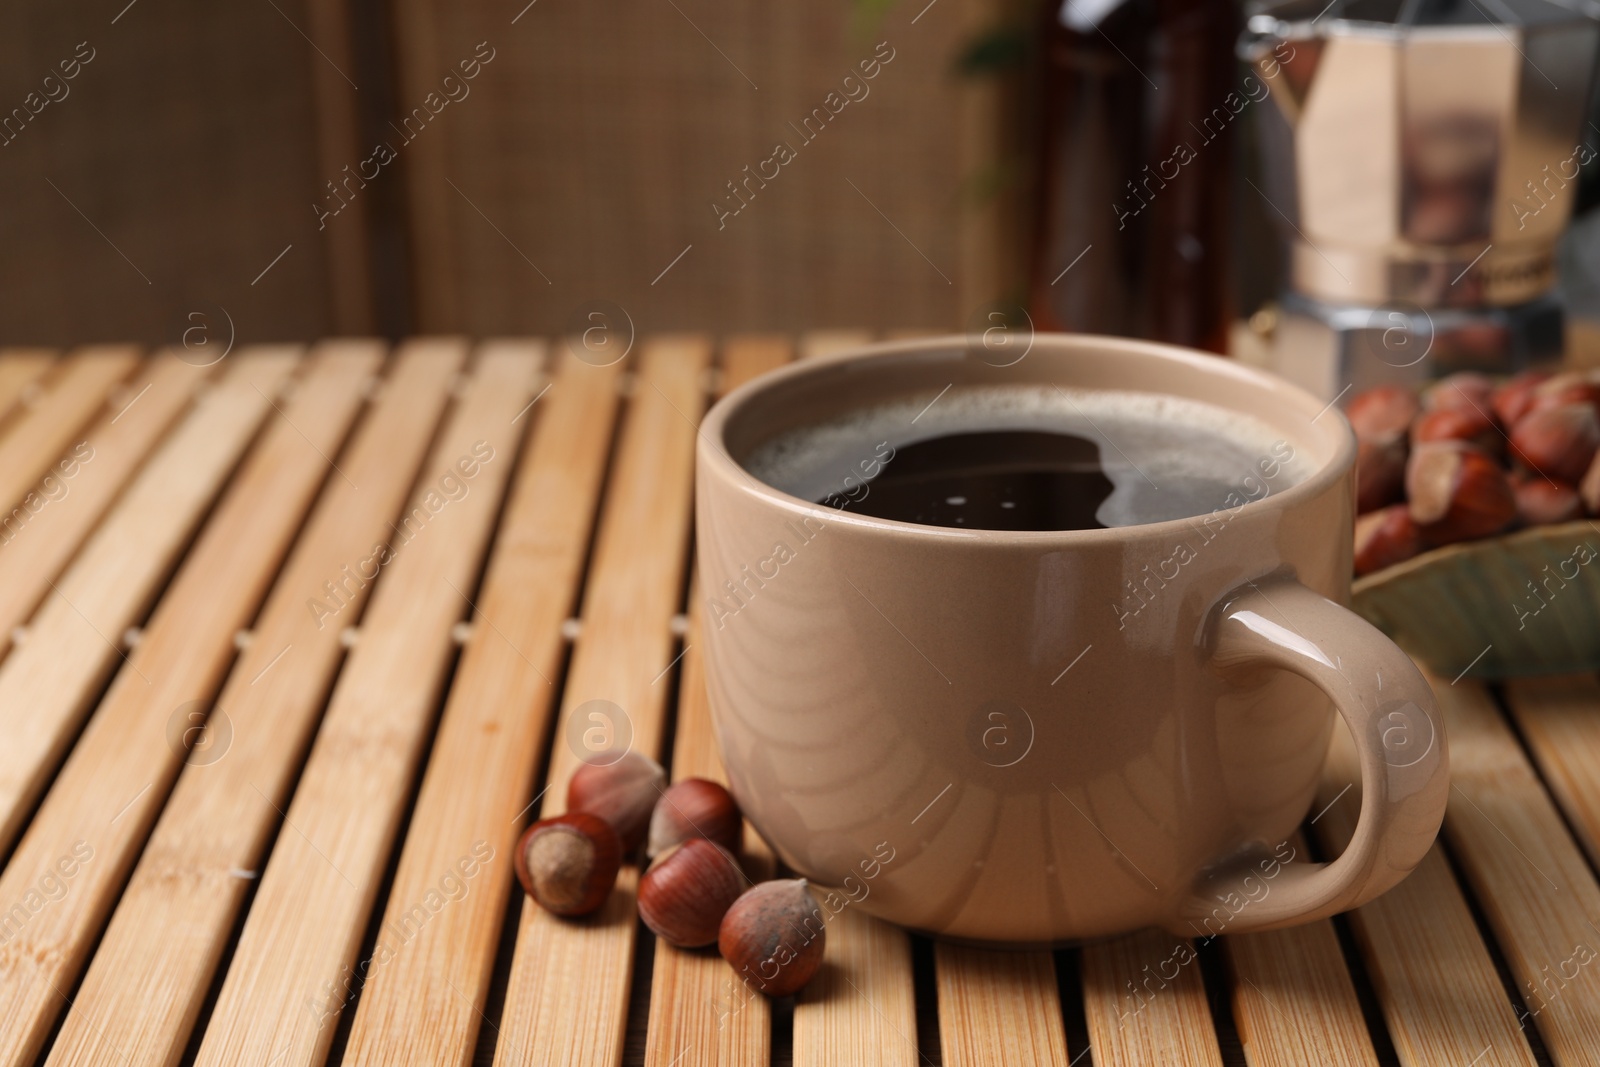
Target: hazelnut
point(1558, 442)
point(1380, 472)
point(694, 807)
point(1457, 493)
point(622, 791)
point(1462, 391)
point(773, 936)
point(687, 891)
point(1558, 390)
point(569, 863)
point(1541, 502)
point(1384, 538)
point(1474, 426)
point(1382, 412)
point(1512, 400)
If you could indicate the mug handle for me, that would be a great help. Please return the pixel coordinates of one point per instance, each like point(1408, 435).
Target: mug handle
point(1279, 624)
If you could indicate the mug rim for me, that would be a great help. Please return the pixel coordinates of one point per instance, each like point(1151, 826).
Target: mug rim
point(716, 459)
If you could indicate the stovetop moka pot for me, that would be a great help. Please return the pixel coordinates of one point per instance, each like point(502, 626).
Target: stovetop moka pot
point(1422, 156)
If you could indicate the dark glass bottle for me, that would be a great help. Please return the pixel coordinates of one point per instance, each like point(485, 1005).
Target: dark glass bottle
point(1141, 101)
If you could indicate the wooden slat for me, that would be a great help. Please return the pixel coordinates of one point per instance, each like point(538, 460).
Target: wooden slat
point(1441, 998)
point(72, 396)
point(1437, 984)
point(20, 369)
point(861, 1010)
point(38, 544)
point(998, 1008)
point(476, 789)
point(972, 983)
point(108, 793)
point(1293, 1000)
point(861, 1007)
point(1560, 719)
point(157, 957)
point(293, 971)
point(1528, 874)
point(45, 686)
point(566, 1002)
point(700, 1013)
point(1146, 1003)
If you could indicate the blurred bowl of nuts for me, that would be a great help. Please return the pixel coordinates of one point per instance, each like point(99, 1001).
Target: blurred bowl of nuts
point(1476, 541)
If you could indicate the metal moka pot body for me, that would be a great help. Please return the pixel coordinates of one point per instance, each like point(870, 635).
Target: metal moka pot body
point(1422, 158)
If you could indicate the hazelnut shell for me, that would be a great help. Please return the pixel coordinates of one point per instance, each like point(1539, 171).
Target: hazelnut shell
point(1457, 493)
point(687, 890)
point(1462, 391)
point(695, 807)
point(1558, 442)
point(621, 790)
point(1473, 425)
point(1382, 412)
point(1384, 538)
point(1380, 473)
point(1568, 387)
point(773, 937)
point(1541, 502)
point(568, 863)
point(1513, 399)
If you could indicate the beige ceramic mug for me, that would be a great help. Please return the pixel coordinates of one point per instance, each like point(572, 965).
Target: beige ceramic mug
point(1048, 736)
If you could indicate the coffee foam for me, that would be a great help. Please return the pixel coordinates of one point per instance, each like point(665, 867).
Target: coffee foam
point(1167, 456)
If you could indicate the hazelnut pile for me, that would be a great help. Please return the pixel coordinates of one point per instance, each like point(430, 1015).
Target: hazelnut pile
point(693, 892)
point(1472, 457)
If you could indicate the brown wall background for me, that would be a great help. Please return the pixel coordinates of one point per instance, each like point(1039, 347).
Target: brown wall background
point(186, 143)
point(583, 159)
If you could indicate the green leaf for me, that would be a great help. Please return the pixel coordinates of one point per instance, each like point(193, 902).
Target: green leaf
point(995, 50)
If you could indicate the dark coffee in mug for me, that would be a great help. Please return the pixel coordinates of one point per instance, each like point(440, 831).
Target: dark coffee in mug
point(1031, 458)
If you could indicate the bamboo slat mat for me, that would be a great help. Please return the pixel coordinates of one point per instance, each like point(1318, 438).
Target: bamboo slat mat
point(292, 647)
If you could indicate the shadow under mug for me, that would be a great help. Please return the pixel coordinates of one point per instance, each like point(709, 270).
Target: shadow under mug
point(1019, 737)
